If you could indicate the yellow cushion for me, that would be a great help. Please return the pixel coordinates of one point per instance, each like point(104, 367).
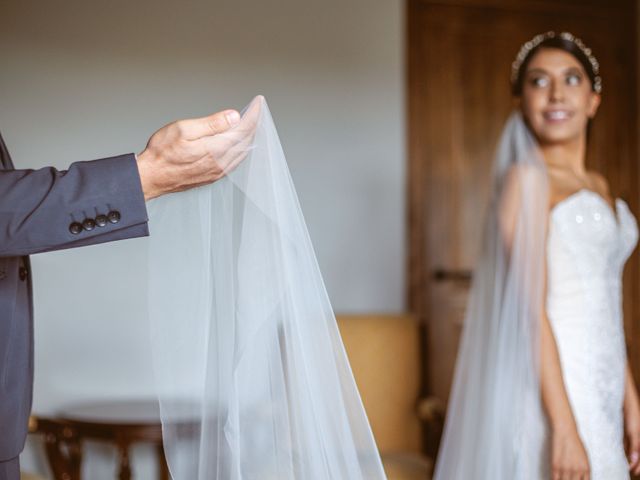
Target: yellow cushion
point(30, 476)
point(406, 467)
point(384, 354)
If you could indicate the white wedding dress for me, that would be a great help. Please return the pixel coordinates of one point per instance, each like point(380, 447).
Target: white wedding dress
point(588, 244)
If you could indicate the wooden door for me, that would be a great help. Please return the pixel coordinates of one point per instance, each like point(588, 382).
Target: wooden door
point(459, 62)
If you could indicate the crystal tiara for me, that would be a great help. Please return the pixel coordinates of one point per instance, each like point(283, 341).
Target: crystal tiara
point(538, 39)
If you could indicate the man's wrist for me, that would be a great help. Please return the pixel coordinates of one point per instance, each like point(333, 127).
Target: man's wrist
point(149, 190)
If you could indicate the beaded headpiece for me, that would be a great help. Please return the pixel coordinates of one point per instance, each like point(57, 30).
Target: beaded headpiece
point(538, 39)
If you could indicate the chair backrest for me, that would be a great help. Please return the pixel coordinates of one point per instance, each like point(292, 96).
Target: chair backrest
point(384, 352)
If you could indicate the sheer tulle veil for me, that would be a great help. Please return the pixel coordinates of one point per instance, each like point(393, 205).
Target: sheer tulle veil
point(252, 376)
point(495, 422)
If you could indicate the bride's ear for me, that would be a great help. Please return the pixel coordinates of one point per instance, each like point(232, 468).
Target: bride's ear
point(594, 103)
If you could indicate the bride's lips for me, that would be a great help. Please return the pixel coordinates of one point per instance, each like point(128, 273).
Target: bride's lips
point(557, 115)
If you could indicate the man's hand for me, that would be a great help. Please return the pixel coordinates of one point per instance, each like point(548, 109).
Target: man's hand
point(190, 153)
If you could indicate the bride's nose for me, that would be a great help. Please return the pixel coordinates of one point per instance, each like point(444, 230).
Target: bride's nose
point(556, 91)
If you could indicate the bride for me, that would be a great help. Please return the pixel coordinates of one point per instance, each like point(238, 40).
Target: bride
point(543, 387)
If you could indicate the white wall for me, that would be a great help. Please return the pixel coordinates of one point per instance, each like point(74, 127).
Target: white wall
point(82, 80)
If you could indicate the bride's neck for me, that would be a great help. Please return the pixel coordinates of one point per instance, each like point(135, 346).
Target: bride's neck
point(566, 156)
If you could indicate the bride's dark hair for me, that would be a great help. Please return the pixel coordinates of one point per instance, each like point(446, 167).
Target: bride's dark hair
point(565, 42)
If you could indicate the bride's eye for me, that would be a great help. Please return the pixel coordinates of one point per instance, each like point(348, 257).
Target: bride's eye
point(573, 79)
point(539, 82)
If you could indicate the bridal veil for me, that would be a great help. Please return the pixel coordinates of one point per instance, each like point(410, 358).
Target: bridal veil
point(495, 423)
point(252, 376)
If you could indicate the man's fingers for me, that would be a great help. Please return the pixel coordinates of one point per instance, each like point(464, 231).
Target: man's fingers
point(252, 114)
point(227, 121)
point(231, 142)
point(232, 165)
point(228, 148)
point(220, 122)
point(234, 157)
point(240, 134)
point(196, 128)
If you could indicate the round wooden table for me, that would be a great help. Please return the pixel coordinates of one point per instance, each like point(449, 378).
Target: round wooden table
point(119, 422)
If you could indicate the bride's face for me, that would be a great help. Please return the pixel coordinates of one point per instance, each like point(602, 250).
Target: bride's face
point(557, 99)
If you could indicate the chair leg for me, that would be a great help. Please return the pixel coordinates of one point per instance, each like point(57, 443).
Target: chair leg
point(125, 465)
point(64, 453)
point(163, 468)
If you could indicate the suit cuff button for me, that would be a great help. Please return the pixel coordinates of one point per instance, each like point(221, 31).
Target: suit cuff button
point(101, 220)
point(89, 224)
point(114, 216)
point(75, 228)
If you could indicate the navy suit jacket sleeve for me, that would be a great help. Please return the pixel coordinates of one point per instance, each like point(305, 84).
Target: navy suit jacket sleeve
point(38, 207)
point(43, 210)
